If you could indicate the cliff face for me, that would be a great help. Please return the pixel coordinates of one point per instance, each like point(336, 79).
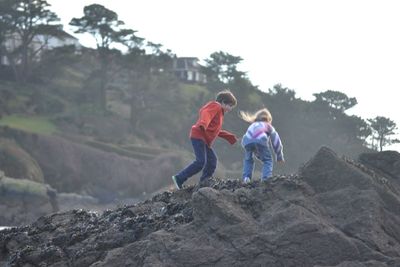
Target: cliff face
point(75, 168)
point(334, 212)
point(23, 201)
point(17, 163)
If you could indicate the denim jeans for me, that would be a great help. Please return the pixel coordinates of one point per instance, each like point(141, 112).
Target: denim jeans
point(206, 160)
point(263, 154)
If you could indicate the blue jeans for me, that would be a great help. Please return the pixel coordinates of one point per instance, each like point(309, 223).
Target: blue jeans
point(263, 154)
point(206, 160)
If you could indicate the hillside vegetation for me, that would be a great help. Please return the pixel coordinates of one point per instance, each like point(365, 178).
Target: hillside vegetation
point(117, 97)
point(151, 113)
point(34, 124)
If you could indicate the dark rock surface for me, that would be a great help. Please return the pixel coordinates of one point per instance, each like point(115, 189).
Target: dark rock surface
point(334, 212)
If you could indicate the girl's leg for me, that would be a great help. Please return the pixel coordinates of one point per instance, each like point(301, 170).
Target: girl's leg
point(211, 163)
point(248, 161)
point(199, 149)
point(264, 154)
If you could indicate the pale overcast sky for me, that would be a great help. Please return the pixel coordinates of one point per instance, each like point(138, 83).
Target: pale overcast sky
point(310, 46)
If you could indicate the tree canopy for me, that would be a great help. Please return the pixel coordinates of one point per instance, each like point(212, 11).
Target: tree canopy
point(223, 67)
point(22, 21)
point(383, 129)
point(282, 92)
point(336, 100)
point(103, 24)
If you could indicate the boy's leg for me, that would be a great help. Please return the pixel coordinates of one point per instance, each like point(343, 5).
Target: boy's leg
point(264, 154)
point(197, 165)
point(248, 162)
point(211, 163)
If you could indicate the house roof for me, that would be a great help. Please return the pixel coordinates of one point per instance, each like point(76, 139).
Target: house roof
point(185, 58)
point(64, 34)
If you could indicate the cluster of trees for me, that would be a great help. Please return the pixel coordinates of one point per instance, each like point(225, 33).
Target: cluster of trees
point(146, 68)
point(375, 133)
point(21, 21)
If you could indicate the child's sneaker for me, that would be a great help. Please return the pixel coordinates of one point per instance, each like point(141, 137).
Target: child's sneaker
point(246, 180)
point(178, 185)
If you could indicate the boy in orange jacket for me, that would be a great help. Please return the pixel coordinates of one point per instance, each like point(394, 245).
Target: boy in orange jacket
point(202, 135)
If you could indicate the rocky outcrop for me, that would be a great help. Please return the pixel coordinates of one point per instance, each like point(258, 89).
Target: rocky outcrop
point(17, 163)
point(386, 163)
point(334, 212)
point(23, 201)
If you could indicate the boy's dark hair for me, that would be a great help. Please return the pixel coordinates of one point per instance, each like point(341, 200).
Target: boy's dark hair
point(226, 97)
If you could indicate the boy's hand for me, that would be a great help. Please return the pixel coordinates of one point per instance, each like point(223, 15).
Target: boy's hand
point(232, 139)
point(281, 161)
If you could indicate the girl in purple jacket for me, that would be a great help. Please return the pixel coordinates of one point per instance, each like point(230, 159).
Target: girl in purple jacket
point(256, 141)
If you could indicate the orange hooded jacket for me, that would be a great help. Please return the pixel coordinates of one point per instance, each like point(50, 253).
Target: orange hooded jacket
point(211, 117)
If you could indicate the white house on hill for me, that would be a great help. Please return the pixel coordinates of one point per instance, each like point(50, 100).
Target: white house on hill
point(40, 43)
point(189, 70)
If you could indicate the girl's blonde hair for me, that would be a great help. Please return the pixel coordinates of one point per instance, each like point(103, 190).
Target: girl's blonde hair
point(261, 115)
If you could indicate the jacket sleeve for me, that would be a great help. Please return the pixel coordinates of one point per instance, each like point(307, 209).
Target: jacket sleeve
point(276, 144)
point(207, 114)
point(230, 137)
